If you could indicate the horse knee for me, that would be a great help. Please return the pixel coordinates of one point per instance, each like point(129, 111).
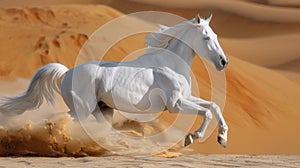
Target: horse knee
point(214, 106)
point(208, 115)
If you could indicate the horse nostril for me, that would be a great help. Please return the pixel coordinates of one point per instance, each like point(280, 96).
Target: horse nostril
point(223, 62)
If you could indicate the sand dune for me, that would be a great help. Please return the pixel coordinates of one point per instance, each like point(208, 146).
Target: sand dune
point(51, 35)
point(14, 3)
point(265, 51)
point(262, 108)
point(262, 12)
point(290, 69)
point(289, 3)
point(225, 22)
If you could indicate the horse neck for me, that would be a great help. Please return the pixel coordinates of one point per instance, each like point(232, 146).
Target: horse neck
point(179, 53)
point(177, 56)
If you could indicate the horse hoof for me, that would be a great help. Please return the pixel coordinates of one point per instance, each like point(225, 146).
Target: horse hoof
point(222, 142)
point(188, 140)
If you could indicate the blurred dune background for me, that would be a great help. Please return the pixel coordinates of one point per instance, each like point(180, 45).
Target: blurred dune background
point(260, 37)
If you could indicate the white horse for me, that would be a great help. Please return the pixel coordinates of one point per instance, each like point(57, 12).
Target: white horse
point(158, 80)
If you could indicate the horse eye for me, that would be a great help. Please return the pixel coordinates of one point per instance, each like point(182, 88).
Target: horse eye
point(206, 38)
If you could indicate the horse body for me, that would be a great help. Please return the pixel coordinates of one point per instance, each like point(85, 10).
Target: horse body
point(157, 80)
point(122, 86)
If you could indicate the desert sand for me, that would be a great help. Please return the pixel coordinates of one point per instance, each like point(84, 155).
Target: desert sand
point(193, 161)
point(262, 96)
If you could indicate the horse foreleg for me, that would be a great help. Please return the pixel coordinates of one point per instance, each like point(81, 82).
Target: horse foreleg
point(187, 107)
point(222, 126)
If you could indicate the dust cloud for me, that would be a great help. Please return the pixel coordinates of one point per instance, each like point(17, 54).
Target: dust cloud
point(50, 131)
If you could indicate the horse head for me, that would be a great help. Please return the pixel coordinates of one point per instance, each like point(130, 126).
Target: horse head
point(206, 44)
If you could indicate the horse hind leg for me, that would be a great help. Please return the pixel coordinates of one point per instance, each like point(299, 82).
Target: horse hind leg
point(68, 99)
point(103, 113)
point(80, 105)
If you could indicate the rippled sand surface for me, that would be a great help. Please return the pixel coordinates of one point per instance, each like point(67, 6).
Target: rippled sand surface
point(192, 161)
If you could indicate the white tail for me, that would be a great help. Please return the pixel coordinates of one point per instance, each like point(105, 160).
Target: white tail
point(46, 80)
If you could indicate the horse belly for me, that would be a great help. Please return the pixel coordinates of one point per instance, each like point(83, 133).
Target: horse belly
point(148, 105)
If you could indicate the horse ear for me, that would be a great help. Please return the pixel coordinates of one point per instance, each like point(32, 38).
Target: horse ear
point(198, 18)
point(209, 18)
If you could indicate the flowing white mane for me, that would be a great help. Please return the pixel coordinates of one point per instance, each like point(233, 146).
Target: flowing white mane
point(162, 38)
